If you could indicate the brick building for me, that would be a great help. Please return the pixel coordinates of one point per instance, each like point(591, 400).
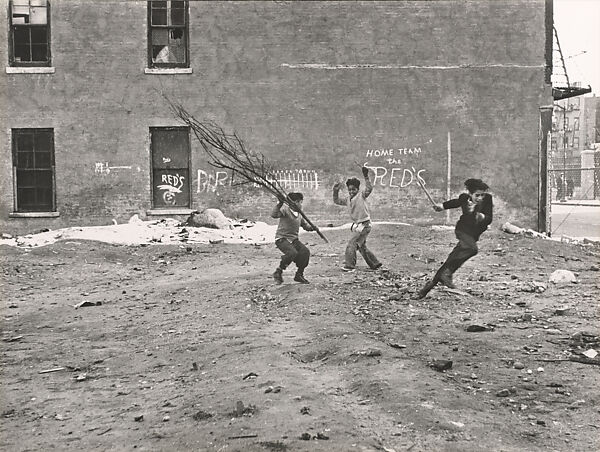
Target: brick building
point(314, 86)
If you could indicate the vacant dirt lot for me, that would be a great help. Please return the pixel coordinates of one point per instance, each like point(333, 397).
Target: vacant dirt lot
point(193, 347)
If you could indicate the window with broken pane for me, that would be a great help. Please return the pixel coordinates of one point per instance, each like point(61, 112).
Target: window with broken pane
point(33, 163)
point(168, 33)
point(29, 40)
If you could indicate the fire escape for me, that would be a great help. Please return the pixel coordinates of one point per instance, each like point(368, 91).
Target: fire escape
point(562, 88)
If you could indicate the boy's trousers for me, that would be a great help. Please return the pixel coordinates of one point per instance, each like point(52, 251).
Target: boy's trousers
point(358, 241)
point(464, 250)
point(293, 252)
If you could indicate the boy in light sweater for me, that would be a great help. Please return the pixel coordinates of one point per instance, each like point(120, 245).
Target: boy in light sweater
point(286, 238)
point(361, 220)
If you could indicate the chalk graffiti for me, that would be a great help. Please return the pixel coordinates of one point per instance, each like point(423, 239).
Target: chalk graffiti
point(171, 185)
point(104, 168)
point(396, 177)
point(209, 182)
point(393, 155)
point(289, 179)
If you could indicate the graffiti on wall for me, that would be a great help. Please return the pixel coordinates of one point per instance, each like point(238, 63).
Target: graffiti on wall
point(104, 168)
point(170, 186)
point(288, 179)
point(396, 167)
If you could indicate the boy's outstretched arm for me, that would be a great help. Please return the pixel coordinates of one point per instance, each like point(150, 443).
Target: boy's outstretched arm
point(276, 212)
point(336, 194)
point(456, 202)
point(368, 183)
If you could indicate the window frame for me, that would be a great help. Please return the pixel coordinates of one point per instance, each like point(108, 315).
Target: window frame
point(18, 208)
point(11, 39)
point(186, 27)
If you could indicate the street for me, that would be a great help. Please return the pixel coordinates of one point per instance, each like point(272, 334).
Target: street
point(581, 221)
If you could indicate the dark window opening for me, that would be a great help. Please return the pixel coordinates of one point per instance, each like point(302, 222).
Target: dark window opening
point(168, 33)
point(29, 40)
point(33, 163)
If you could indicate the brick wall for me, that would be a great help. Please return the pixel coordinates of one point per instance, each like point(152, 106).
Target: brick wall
point(315, 86)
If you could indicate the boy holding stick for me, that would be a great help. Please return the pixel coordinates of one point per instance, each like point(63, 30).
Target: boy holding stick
point(477, 207)
point(286, 238)
point(361, 220)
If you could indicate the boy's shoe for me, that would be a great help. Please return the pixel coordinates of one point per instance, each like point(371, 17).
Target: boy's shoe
point(426, 288)
point(301, 279)
point(446, 279)
point(378, 267)
point(278, 276)
point(348, 269)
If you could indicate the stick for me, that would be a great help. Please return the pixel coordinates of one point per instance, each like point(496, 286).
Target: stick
point(251, 435)
point(426, 192)
point(56, 369)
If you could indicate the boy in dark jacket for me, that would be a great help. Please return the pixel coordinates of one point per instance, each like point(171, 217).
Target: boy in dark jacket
point(286, 238)
point(477, 213)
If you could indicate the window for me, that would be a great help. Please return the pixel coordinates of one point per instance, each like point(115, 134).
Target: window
point(33, 163)
point(170, 147)
point(576, 123)
point(576, 142)
point(29, 41)
point(168, 34)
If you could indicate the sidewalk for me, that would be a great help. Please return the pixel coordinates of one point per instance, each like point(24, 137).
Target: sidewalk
point(578, 202)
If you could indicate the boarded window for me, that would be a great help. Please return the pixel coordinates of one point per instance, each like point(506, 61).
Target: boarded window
point(29, 39)
point(168, 34)
point(170, 148)
point(33, 163)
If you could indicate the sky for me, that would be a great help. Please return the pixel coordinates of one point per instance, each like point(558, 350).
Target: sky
point(578, 25)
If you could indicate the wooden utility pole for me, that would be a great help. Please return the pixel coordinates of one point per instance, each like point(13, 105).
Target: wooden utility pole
point(449, 175)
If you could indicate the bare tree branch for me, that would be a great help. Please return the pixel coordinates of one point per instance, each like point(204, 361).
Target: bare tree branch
point(228, 151)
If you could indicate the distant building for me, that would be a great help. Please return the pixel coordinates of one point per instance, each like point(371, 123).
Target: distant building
point(317, 87)
point(575, 128)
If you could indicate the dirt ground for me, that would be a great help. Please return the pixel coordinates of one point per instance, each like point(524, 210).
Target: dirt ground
point(193, 347)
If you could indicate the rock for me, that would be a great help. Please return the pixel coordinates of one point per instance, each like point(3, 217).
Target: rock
point(519, 365)
point(591, 353)
point(441, 365)
point(511, 228)
point(533, 287)
point(562, 311)
point(84, 304)
point(306, 437)
point(209, 218)
point(503, 393)
point(562, 277)
point(201, 415)
point(139, 418)
point(135, 219)
point(594, 268)
point(477, 328)
point(6, 236)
